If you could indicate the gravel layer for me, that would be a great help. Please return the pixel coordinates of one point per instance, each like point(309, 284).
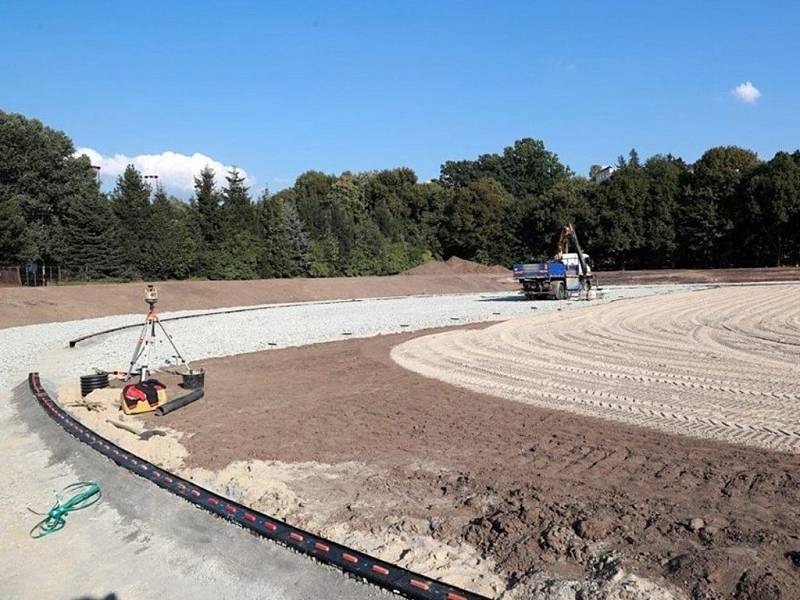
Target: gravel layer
point(44, 347)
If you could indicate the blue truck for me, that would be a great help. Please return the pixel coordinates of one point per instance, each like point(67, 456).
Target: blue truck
point(567, 275)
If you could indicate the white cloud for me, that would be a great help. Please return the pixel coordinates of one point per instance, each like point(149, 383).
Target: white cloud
point(746, 92)
point(176, 172)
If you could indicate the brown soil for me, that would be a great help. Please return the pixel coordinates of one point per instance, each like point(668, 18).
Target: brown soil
point(656, 276)
point(456, 266)
point(536, 490)
point(25, 305)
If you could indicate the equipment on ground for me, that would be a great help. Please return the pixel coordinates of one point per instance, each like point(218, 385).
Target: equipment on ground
point(193, 379)
point(144, 396)
point(566, 274)
point(150, 394)
point(167, 408)
point(95, 381)
point(85, 494)
point(145, 353)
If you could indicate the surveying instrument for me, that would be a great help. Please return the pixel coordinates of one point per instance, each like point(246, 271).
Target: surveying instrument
point(145, 353)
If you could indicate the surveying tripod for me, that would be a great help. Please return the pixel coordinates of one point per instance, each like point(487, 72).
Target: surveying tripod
point(146, 346)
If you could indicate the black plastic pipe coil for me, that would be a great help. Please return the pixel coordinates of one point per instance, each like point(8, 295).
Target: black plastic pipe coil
point(380, 573)
point(95, 381)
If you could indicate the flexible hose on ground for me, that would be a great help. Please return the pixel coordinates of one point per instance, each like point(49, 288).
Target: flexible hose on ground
point(56, 518)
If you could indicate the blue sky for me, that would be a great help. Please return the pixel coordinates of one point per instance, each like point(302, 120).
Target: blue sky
point(278, 88)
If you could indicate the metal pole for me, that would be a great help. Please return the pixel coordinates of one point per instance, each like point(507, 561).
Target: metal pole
point(137, 352)
point(174, 347)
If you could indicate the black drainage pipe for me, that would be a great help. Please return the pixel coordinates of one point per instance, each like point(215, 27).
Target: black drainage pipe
point(167, 408)
point(353, 562)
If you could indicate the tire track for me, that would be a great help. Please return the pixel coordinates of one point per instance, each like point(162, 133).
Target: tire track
point(721, 363)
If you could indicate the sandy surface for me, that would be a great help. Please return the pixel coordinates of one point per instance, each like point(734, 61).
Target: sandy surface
point(506, 494)
point(718, 363)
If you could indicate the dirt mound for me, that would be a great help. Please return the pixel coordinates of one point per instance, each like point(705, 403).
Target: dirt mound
point(456, 266)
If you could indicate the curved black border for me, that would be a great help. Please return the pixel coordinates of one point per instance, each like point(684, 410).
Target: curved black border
point(380, 573)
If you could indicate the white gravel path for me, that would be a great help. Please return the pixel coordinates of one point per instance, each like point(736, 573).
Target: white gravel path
point(45, 347)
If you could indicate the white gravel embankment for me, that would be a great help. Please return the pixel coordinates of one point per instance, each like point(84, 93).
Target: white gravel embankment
point(44, 347)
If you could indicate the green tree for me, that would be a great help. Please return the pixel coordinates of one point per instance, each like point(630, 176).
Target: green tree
point(131, 203)
point(298, 241)
point(172, 249)
point(237, 206)
point(207, 221)
point(235, 252)
point(475, 221)
point(667, 177)
point(37, 173)
point(207, 202)
point(275, 258)
point(13, 248)
point(312, 200)
point(525, 169)
point(620, 204)
point(92, 235)
point(772, 199)
point(712, 206)
point(324, 256)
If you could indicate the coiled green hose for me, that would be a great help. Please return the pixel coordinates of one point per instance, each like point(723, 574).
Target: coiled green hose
point(85, 494)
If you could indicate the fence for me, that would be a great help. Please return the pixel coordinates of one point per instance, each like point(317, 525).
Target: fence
point(32, 275)
point(10, 276)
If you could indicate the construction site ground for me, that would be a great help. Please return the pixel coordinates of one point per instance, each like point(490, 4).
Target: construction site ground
point(490, 487)
point(27, 305)
point(377, 454)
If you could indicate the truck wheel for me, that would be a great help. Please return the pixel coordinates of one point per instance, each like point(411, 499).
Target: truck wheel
point(560, 293)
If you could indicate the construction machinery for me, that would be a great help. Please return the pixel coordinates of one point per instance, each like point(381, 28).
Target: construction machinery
point(566, 275)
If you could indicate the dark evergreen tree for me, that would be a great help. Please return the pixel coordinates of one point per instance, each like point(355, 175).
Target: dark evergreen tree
point(237, 206)
point(298, 241)
point(207, 220)
point(131, 203)
point(207, 199)
point(93, 237)
point(275, 249)
point(171, 254)
point(234, 255)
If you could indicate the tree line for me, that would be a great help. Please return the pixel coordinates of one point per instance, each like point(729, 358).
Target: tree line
point(727, 209)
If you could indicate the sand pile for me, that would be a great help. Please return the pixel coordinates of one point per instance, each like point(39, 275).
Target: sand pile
point(456, 266)
point(100, 411)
